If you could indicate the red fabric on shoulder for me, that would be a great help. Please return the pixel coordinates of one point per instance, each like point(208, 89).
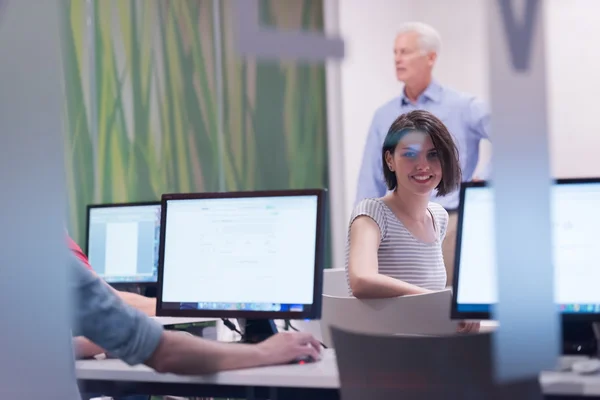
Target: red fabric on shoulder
point(74, 247)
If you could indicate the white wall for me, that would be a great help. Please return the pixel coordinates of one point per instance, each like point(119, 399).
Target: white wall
point(573, 86)
point(368, 80)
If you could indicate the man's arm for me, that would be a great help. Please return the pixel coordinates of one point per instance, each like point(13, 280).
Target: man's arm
point(83, 348)
point(481, 127)
point(103, 318)
point(184, 354)
point(146, 305)
point(127, 333)
point(371, 183)
point(479, 119)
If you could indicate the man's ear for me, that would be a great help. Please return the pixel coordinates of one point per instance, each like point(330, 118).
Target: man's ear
point(431, 58)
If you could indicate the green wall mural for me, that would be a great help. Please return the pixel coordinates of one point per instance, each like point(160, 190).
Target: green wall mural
point(147, 112)
point(275, 112)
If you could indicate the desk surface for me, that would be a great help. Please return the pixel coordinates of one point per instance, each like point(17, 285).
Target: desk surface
point(570, 384)
point(321, 375)
point(178, 320)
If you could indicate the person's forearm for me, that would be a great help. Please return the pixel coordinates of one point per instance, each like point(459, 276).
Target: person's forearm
point(83, 348)
point(377, 286)
point(146, 305)
point(183, 354)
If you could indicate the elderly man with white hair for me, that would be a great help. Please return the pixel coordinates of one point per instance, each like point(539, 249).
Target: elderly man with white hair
point(416, 49)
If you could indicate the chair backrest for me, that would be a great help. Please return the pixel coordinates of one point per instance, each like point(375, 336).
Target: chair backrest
point(335, 282)
point(419, 314)
point(414, 367)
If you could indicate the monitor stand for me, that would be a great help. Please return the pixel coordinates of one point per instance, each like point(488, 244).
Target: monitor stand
point(149, 291)
point(596, 329)
point(580, 338)
point(257, 330)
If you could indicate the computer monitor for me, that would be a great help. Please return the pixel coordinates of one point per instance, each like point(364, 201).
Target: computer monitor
point(122, 242)
point(254, 256)
point(575, 216)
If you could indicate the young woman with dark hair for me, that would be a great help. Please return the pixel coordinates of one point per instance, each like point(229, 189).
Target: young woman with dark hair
point(395, 242)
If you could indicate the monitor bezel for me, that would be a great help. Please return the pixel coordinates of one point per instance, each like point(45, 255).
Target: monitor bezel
point(89, 208)
point(455, 314)
point(312, 311)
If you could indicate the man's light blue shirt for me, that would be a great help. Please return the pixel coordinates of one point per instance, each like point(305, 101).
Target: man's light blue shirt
point(467, 119)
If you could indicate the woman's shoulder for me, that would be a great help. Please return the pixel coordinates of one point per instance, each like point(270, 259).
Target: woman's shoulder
point(373, 208)
point(370, 204)
point(438, 211)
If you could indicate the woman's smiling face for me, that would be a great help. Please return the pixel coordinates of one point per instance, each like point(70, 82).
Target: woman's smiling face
point(416, 164)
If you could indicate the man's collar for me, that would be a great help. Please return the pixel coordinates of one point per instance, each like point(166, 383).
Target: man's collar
point(433, 92)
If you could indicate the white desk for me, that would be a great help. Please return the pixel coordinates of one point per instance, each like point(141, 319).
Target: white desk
point(178, 320)
point(570, 384)
point(322, 374)
point(318, 380)
point(488, 326)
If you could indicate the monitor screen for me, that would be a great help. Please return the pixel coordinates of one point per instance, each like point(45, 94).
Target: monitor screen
point(241, 253)
point(123, 242)
point(575, 219)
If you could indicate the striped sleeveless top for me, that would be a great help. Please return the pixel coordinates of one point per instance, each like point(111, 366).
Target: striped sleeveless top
point(400, 254)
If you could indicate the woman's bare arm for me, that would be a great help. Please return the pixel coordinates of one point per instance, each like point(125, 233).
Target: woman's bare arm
point(365, 280)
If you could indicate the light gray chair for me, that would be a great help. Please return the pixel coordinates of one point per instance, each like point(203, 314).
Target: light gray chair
point(411, 367)
point(335, 282)
point(417, 314)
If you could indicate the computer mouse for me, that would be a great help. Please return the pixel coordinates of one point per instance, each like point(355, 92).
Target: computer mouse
point(303, 360)
point(586, 367)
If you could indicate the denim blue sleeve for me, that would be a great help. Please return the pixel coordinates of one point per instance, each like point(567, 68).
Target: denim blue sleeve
point(371, 183)
point(102, 317)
